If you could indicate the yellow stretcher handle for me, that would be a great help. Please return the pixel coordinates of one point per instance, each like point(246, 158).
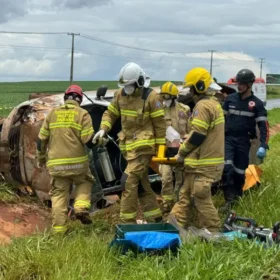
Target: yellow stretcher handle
point(160, 158)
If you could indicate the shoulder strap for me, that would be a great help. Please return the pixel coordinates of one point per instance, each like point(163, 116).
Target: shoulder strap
point(145, 95)
point(123, 92)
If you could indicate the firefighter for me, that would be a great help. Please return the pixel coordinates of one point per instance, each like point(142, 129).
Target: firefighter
point(65, 131)
point(176, 115)
point(243, 110)
point(202, 153)
point(143, 128)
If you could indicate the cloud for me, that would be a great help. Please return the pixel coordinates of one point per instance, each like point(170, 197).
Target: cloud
point(12, 9)
point(77, 4)
point(29, 67)
point(240, 32)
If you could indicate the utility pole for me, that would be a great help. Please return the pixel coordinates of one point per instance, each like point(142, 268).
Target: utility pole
point(261, 67)
point(211, 61)
point(72, 55)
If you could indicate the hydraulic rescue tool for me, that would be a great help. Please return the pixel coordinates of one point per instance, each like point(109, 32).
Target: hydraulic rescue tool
point(251, 228)
point(165, 155)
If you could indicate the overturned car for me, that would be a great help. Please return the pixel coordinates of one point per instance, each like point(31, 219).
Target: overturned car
point(19, 132)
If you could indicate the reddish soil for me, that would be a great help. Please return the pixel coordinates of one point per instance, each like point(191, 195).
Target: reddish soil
point(21, 220)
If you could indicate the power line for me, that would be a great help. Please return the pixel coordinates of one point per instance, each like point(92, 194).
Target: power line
point(93, 38)
point(33, 47)
point(226, 56)
point(158, 51)
point(33, 33)
point(130, 47)
point(124, 57)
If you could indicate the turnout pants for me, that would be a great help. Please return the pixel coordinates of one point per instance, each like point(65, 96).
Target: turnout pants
point(196, 191)
point(136, 185)
point(236, 162)
point(170, 193)
point(60, 193)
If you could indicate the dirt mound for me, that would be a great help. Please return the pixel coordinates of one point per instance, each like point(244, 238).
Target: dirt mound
point(21, 220)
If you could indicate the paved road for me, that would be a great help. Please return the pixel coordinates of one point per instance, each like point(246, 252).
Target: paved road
point(272, 103)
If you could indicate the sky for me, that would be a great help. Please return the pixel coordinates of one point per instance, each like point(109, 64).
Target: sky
point(165, 37)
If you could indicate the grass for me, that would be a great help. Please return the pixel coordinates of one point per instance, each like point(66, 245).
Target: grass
point(8, 193)
point(274, 116)
point(84, 253)
point(273, 92)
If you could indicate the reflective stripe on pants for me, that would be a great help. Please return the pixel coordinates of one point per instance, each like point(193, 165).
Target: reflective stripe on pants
point(236, 162)
point(60, 191)
point(136, 186)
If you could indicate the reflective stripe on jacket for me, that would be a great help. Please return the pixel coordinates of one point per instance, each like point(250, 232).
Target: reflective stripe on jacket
point(207, 158)
point(66, 130)
point(143, 124)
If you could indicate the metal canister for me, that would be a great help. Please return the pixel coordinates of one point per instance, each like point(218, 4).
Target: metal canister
point(106, 165)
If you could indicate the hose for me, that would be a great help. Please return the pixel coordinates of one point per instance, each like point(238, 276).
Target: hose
point(88, 98)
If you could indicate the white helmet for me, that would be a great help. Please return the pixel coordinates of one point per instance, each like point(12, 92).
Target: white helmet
point(131, 73)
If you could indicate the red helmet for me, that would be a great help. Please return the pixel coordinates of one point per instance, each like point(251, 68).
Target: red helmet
point(74, 89)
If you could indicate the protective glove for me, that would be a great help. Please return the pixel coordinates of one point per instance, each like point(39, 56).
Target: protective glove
point(179, 159)
point(100, 134)
point(261, 153)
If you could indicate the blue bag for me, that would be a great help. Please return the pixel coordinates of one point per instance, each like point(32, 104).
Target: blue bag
point(148, 241)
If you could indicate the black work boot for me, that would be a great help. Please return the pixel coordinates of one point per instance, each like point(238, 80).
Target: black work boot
point(83, 218)
point(159, 220)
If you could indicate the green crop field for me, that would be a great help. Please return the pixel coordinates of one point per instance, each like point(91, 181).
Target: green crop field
point(12, 94)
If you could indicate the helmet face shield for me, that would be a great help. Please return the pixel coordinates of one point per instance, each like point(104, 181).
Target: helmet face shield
point(123, 83)
point(215, 86)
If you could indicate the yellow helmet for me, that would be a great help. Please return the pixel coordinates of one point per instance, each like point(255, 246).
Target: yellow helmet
point(200, 78)
point(169, 88)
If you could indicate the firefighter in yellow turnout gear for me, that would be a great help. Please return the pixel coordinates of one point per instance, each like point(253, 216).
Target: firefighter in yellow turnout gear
point(65, 131)
point(143, 128)
point(176, 115)
point(202, 153)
